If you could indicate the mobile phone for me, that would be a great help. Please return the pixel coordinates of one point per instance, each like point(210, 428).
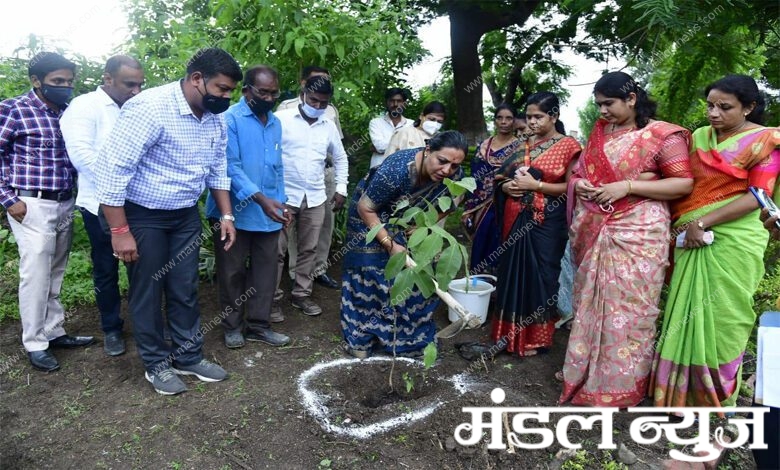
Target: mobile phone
point(767, 203)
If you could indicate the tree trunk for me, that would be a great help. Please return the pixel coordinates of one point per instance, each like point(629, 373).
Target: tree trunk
point(467, 75)
point(469, 20)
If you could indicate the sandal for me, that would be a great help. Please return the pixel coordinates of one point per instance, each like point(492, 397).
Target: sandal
point(473, 350)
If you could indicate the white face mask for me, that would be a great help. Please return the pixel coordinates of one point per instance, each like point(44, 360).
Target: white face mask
point(431, 127)
point(311, 112)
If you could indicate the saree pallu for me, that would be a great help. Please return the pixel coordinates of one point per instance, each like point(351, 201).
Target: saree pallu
point(709, 314)
point(534, 235)
point(479, 209)
point(621, 258)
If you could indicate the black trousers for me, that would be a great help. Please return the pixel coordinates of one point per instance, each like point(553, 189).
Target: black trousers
point(246, 275)
point(168, 244)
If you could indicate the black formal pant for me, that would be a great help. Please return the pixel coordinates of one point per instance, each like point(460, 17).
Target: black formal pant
point(168, 244)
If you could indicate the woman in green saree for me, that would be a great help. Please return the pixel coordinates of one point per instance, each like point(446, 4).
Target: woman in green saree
point(709, 312)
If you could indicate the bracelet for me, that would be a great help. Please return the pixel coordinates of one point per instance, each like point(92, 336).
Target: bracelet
point(382, 241)
point(120, 230)
point(541, 185)
point(629, 187)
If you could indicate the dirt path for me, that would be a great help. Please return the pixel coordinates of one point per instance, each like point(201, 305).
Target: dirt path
point(99, 412)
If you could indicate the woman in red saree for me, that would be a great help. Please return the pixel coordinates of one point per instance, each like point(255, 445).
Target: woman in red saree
point(531, 214)
point(631, 165)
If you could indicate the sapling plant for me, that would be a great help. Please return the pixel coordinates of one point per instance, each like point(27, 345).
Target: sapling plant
point(427, 244)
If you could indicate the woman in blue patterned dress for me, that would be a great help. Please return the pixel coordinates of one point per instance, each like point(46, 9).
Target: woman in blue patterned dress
point(367, 316)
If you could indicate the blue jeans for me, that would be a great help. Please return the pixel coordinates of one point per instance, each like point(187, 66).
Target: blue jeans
point(105, 273)
point(168, 243)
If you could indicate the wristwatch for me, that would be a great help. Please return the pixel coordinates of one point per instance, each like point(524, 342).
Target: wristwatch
point(700, 224)
point(228, 217)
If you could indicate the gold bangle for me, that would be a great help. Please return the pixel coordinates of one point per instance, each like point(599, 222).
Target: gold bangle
point(541, 185)
point(629, 187)
point(382, 241)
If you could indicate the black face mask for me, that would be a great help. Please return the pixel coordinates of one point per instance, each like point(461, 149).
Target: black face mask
point(260, 107)
point(59, 95)
point(214, 104)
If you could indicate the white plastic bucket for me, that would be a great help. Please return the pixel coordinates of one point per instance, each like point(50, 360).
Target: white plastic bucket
point(476, 300)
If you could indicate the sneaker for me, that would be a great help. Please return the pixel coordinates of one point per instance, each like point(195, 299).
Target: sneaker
point(165, 382)
point(114, 344)
point(278, 295)
point(234, 339)
point(268, 337)
point(276, 313)
point(307, 305)
point(204, 370)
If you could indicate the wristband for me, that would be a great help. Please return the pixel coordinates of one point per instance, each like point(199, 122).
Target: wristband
point(120, 230)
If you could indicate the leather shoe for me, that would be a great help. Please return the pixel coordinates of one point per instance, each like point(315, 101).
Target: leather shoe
point(114, 344)
point(43, 360)
point(326, 281)
point(67, 341)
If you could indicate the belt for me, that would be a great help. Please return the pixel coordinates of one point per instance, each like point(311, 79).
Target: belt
point(59, 196)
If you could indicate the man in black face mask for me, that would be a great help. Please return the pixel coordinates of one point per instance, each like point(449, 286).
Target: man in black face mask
point(254, 154)
point(36, 189)
point(167, 145)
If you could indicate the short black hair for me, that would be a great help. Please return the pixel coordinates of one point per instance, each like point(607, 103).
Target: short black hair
point(745, 89)
point(212, 62)
point(113, 64)
point(319, 84)
point(449, 139)
point(310, 69)
point(397, 91)
point(44, 63)
point(251, 73)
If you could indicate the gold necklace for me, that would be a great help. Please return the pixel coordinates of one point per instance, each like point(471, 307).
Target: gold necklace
point(730, 134)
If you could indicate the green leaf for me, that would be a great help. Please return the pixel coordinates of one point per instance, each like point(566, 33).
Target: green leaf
point(428, 249)
point(429, 355)
point(444, 234)
point(402, 287)
point(410, 213)
point(265, 39)
point(448, 265)
point(431, 215)
point(457, 188)
point(299, 42)
point(339, 50)
point(402, 204)
point(425, 283)
point(445, 203)
point(417, 237)
point(372, 233)
point(395, 265)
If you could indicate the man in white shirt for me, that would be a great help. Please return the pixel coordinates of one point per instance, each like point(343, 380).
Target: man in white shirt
point(85, 126)
point(381, 128)
point(326, 234)
point(308, 136)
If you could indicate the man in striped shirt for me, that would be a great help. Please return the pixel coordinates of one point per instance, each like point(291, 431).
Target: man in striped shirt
point(36, 189)
point(167, 146)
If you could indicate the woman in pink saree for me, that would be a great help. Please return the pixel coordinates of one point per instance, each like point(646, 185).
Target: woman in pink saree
point(631, 165)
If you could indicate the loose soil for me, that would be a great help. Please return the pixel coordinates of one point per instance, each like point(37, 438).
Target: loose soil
point(100, 412)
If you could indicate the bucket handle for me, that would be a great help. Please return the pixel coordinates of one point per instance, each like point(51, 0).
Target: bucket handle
point(485, 276)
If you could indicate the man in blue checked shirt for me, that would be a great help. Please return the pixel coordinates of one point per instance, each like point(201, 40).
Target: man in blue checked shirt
point(166, 147)
point(36, 189)
point(254, 156)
